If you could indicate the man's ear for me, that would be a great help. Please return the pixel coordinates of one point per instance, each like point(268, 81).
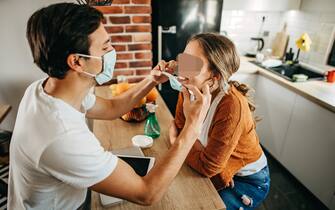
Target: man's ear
point(75, 63)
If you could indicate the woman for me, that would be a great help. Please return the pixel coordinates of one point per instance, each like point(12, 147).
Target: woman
point(228, 149)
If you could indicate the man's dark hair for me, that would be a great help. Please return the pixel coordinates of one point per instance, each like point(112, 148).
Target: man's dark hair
point(56, 31)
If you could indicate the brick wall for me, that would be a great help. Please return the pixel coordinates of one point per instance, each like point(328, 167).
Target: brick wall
point(129, 24)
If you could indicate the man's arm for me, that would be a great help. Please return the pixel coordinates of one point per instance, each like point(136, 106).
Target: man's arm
point(109, 109)
point(123, 182)
point(114, 108)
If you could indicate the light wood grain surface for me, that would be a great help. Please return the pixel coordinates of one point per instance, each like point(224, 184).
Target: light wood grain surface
point(189, 190)
point(4, 109)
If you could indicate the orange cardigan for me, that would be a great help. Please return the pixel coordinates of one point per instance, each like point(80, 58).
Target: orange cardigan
point(232, 140)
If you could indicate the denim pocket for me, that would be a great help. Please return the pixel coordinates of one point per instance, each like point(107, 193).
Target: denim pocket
point(259, 179)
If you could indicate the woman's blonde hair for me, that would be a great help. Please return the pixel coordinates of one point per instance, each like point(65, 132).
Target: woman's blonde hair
point(223, 59)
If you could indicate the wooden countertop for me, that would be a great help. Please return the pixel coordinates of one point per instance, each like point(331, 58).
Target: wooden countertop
point(320, 92)
point(4, 109)
point(189, 190)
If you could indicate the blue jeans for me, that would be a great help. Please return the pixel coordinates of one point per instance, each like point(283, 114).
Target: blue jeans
point(255, 187)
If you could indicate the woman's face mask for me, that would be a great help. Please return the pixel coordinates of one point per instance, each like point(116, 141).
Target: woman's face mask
point(174, 82)
point(108, 64)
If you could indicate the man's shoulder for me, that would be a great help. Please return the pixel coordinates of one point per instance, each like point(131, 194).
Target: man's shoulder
point(34, 85)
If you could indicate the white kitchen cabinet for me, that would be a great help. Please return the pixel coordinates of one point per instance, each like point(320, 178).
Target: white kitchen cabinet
point(248, 79)
point(274, 105)
point(261, 5)
point(309, 150)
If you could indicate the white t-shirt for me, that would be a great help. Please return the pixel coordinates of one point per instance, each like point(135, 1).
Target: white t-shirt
point(54, 157)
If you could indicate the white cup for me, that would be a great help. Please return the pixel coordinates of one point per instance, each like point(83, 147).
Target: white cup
point(260, 57)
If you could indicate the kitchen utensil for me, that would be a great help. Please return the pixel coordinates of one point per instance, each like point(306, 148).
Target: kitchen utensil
point(272, 63)
point(289, 55)
point(280, 43)
point(300, 77)
point(257, 44)
point(260, 57)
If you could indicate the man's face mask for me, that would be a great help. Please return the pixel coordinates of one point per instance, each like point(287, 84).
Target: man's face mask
point(108, 64)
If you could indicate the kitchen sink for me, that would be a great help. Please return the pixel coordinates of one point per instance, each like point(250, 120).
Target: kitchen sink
point(287, 71)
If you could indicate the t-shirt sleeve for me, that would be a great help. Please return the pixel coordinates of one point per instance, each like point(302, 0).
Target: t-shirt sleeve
point(78, 159)
point(89, 101)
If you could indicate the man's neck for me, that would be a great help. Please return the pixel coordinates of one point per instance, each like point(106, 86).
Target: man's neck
point(72, 89)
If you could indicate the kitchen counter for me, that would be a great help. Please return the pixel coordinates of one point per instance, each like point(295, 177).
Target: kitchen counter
point(320, 92)
point(189, 190)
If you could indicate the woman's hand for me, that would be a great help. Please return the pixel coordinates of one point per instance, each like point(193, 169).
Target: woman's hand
point(196, 110)
point(156, 72)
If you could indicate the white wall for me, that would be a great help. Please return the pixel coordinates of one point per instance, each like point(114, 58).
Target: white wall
point(241, 25)
point(319, 26)
point(316, 17)
point(17, 70)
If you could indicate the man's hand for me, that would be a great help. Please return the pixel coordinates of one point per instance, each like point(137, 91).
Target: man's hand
point(156, 73)
point(196, 110)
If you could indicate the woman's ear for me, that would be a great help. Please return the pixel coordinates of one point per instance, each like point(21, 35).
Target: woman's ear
point(214, 82)
point(217, 76)
point(75, 63)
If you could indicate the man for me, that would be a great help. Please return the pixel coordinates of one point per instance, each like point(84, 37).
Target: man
point(54, 156)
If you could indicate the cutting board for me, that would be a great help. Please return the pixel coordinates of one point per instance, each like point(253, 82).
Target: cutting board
point(279, 43)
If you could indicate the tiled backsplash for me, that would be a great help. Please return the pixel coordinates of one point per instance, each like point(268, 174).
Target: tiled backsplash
point(241, 25)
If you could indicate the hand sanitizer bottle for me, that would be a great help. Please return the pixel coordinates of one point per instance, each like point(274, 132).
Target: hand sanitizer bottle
point(151, 127)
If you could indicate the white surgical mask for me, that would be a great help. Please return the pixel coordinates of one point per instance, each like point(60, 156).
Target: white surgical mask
point(108, 64)
point(174, 83)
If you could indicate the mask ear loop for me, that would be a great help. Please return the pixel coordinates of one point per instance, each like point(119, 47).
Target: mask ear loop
point(224, 85)
point(89, 56)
